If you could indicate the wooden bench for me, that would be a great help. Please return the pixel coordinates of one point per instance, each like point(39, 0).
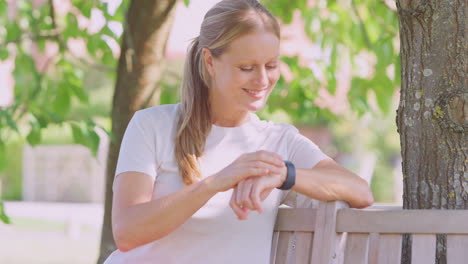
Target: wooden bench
point(334, 233)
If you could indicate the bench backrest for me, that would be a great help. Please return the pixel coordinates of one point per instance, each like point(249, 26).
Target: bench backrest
point(336, 234)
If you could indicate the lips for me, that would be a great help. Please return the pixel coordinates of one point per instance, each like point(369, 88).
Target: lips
point(256, 93)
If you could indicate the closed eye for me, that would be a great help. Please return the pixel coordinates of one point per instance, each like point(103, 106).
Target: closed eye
point(251, 68)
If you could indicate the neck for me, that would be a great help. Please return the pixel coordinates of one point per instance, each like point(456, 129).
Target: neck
point(225, 117)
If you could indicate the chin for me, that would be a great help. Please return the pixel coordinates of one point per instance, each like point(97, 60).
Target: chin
point(256, 106)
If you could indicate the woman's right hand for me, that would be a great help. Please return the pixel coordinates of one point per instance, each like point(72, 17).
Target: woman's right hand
point(247, 165)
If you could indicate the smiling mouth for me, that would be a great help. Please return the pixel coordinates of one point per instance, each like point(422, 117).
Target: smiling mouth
point(254, 91)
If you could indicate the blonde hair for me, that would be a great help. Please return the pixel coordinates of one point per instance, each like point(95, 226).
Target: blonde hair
point(223, 23)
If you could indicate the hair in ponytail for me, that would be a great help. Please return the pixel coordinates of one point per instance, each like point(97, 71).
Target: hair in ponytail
point(225, 22)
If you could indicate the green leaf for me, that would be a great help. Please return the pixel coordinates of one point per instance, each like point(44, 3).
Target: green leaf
point(41, 44)
point(383, 88)
point(85, 7)
point(80, 93)
point(4, 54)
point(11, 123)
point(93, 44)
point(93, 142)
point(3, 156)
point(3, 8)
point(79, 134)
point(42, 120)
point(54, 117)
point(13, 32)
point(72, 30)
point(74, 81)
point(3, 216)
point(61, 104)
point(187, 2)
point(34, 137)
point(84, 134)
point(330, 73)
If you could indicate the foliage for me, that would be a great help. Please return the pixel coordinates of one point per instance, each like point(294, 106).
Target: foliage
point(48, 84)
point(3, 217)
point(10, 182)
point(347, 29)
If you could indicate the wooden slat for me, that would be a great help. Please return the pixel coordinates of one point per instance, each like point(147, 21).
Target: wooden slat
point(389, 249)
point(385, 207)
point(373, 247)
point(283, 252)
point(299, 219)
point(457, 249)
point(423, 249)
point(357, 249)
point(402, 221)
point(325, 233)
point(340, 242)
point(303, 248)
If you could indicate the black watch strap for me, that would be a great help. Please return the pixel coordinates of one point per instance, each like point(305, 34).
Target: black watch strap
point(290, 176)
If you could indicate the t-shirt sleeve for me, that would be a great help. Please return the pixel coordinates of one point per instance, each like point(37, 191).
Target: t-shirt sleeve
point(138, 148)
point(304, 154)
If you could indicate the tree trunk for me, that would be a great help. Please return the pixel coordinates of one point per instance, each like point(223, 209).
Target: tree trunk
point(432, 117)
point(147, 28)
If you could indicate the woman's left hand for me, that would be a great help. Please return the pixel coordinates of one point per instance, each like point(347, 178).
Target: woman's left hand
point(249, 193)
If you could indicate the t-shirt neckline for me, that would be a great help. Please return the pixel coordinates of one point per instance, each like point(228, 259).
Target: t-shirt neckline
point(250, 123)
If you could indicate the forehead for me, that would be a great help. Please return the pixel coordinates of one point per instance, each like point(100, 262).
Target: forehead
point(253, 47)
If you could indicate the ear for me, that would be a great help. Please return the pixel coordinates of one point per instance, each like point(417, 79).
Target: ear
point(209, 61)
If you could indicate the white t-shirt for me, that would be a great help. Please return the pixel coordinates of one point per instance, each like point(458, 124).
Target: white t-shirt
point(213, 234)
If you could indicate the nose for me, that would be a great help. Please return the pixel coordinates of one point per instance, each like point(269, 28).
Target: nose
point(261, 79)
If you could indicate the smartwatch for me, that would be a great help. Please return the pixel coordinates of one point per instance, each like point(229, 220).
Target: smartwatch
point(290, 176)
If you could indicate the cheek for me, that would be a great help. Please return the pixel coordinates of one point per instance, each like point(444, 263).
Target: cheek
point(274, 77)
point(240, 78)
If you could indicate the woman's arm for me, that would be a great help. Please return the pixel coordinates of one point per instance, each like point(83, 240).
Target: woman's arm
point(326, 181)
point(137, 220)
point(329, 181)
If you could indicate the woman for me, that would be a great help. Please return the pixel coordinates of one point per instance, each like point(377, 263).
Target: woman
point(190, 175)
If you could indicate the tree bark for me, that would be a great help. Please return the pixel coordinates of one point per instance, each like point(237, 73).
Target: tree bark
point(432, 117)
point(147, 28)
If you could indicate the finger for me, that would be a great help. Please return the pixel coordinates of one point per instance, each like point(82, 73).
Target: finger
point(266, 156)
point(272, 169)
point(241, 213)
point(244, 195)
point(250, 170)
point(255, 197)
point(270, 157)
point(270, 153)
point(239, 188)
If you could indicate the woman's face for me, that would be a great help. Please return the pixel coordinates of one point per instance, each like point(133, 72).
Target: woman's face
point(244, 75)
